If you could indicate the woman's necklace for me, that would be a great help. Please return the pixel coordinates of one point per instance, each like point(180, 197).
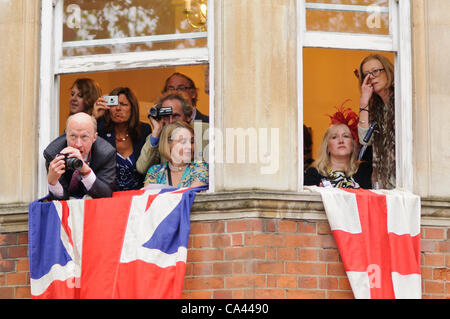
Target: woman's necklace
point(177, 168)
point(122, 139)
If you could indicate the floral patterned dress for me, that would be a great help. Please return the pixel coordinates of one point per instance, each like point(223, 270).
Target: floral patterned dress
point(157, 174)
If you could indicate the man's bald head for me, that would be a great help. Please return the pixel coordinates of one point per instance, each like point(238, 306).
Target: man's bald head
point(81, 132)
point(82, 118)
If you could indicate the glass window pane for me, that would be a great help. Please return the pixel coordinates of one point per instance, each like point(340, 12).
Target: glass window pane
point(146, 84)
point(115, 26)
point(349, 16)
point(330, 71)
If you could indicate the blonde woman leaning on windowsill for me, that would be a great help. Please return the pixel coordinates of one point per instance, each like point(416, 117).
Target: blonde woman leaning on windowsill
point(177, 145)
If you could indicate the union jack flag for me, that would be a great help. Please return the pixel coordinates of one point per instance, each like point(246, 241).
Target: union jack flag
point(132, 245)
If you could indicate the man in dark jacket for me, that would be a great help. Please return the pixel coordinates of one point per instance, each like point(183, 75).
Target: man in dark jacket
point(97, 172)
point(181, 82)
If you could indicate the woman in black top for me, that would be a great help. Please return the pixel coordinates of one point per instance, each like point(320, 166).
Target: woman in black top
point(121, 127)
point(337, 165)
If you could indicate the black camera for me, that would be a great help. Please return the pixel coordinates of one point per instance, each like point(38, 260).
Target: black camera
point(158, 112)
point(72, 162)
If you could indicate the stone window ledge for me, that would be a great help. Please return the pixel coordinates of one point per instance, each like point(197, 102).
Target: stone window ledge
point(246, 204)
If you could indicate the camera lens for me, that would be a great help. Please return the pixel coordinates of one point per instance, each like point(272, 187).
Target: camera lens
point(74, 163)
point(153, 113)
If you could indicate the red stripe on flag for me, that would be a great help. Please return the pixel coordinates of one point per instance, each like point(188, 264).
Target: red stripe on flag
point(405, 253)
point(142, 280)
point(105, 221)
point(372, 209)
point(61, 290)
point(129, 193)
point(65, 220)
point(150, 200)
point(351, 248)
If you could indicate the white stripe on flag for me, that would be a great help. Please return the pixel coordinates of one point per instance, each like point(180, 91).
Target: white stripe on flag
point(57, 272)
point(63, 235)
point(142, 225)
point(76, 223)
point(161, 259)
point(403, 210)
point(360, 284)
point(341, 209)
point(407, 286)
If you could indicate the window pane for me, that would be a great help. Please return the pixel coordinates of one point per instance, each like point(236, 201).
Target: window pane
point(328, 82)
point(115, 26)
point(146, 84)
point(349, 16)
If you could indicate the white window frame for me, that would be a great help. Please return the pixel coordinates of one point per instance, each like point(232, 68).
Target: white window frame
point(398, 42)
point(53, 64)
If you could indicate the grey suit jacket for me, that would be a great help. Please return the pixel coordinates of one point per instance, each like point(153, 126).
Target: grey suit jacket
point(102, 162)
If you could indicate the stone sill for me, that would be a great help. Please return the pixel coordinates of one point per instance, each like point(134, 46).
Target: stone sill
point(246, 204)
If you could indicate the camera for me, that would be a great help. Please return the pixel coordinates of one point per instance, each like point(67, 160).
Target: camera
point(111, 100)
point(157, 113)
point(72, 162)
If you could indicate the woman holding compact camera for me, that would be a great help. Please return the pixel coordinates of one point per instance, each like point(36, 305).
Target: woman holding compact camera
point(118, 123)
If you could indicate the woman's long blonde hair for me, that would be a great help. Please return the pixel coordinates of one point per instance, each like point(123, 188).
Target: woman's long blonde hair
point(323, 162)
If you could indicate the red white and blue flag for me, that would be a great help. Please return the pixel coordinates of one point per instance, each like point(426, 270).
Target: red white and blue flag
point(132, 245)
point(378, 237)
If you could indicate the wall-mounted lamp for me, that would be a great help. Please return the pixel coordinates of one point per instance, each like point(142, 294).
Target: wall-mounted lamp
point(196, 15)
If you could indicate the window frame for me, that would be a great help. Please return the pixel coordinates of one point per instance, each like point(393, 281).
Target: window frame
point(53, 64)
point(398, 42)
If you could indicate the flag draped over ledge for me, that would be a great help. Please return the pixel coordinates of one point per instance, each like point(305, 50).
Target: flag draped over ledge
point(132, 245)
point(378, 236)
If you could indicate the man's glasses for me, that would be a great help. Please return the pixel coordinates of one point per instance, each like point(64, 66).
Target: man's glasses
point(179, 88)
point(374, 73)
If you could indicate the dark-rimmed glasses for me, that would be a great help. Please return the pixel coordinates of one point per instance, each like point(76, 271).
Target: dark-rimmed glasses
point(179, 88)
point(375, 73)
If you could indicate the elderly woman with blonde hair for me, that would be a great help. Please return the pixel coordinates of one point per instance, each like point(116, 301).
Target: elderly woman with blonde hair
point(177, 145)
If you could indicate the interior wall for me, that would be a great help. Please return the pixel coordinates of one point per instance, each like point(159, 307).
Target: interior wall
point(328, 80)
point(146, 84)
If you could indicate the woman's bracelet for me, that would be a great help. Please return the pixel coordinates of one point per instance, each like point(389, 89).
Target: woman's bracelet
point(364, 109)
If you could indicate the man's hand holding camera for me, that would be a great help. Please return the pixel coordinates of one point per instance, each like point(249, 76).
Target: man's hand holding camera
point(69, 158)
point(159, 117)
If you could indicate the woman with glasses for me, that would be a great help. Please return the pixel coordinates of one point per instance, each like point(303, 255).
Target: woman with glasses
point(377, 106)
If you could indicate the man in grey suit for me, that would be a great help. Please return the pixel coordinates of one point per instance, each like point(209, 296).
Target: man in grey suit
point(96, 173)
